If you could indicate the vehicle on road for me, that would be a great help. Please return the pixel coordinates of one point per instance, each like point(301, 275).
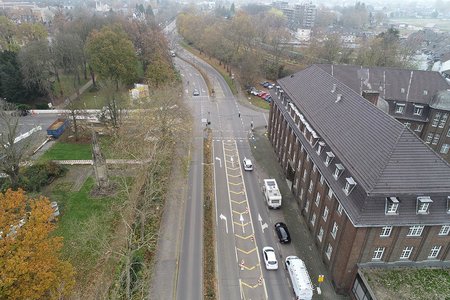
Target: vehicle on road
point(172, 53)
point(57, 128)
point(301, 282)
point(272, 193)
point(196, 92)
point(270, 259)
point(283, 233)
point(247, 164)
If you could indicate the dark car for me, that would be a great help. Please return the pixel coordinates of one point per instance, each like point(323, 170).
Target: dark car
point(282, 233)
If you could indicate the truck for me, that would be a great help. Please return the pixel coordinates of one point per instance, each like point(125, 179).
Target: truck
point(301, 282)
point(272, 193)
point(57, 128)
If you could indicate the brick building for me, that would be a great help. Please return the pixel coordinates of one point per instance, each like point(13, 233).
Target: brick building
point(372, 193)
point(418, 99)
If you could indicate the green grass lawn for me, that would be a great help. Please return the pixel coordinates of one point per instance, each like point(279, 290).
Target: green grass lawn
point(441, 24)
point(67, 151)
point(66, 84)
point(256, 101)
point(85, 224)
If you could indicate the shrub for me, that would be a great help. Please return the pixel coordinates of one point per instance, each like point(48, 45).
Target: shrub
point(41, 174)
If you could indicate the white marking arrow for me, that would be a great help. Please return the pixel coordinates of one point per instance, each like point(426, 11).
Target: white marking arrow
point(222, 217)
point(263, 226)
point(241, 218)
point(220, 161)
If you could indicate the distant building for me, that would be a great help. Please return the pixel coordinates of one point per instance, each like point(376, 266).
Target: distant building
point(298, 16)
point(373, 195)
point(139, 91)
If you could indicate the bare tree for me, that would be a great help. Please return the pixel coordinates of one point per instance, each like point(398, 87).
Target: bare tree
point(11, 153)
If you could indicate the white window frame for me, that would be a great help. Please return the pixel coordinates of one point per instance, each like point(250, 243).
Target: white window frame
point(330, 157)
point(320, 235)
point(448, 133)
point(301, 193)
point(322, 179)
point(313, 219)
point(418, 110)
point(305, 173)
point(406, 252)
point(429, 138)
point(320, 147)
point(317, 202)
point(314, 168)
point(419, 128)
point(340, 209)
point(423, 205)
point(325, 213)
point(311, 186)
point(378, 253)
point(399, 108)
point(307, 206)
point(329, 251)
point(334, 230)
point(386, 231)
point(415, 231)
point(436, 119)
point(330, 193)
point(436, 138)
point(444, 148)
point(407, 124)
point(434, 252)
point(392, 204)
point(445, 229)
point(443, 120)
point(349, 185)
point(338, 171)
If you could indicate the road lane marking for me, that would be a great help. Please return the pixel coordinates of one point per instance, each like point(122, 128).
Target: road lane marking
point(238, 202)
point(247, 252)
point(244, 237)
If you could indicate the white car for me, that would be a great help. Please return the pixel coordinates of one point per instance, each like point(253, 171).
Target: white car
point(196, 92)
point(270, 259)
point(247, 163)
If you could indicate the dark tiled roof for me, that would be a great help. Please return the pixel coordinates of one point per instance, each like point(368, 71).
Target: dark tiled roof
point(384, 157)
point(390, 81)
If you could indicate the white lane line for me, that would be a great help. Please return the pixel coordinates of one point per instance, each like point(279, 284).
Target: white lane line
point(215, 186)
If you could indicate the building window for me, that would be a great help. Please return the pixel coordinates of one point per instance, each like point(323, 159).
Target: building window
point(330, 193)
point(399, 108)
point(443, 120)
point(436, 119)
point(423, 205)
point(429, 138)
point(311, 186)
point(418, 109)
point(307, 157)
point(320, 235)
point(317, 200)
point(444, 148)
point(402, 90)
point(434, 251)
point(305, 173)
point(313, 219)
point(425, 92)
point(445, 229)
point(408, 124)
point(349, 185)
point(415, 230)
point(325, 214)
point(301, 193)
point(307, 206)
point(314, 168)
point(386, 231)
point(338, 171)
point(334, 230)
point(436, 138)
point(340, 209)
point(320, 147)
point(448, 133)
point(329, 251)
point(419, 127)
point(406, 252)
point(378, 253)
point(321, 179)
point(391, 206)
point(330, 156)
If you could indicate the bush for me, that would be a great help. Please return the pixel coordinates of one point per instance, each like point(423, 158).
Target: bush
point(41, 174)
point(41, 106)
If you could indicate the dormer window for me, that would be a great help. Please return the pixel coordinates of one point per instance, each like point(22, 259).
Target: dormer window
point(418, 109)
point(423, 205)
point(425, 92)
point(349, 185)
point(448, 204)
point(320, 147)
point(399, 108)
point(330, 156)
point(338, 171)
point(402, 90)
point(391, 206)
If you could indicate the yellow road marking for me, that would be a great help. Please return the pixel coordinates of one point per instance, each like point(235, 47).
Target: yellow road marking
point(244, 238)
point(237, 193)
point(239, 183)
point(234, 175)
point(250, 286)
point(243, 224)
point(238, 202)
point(246, 252)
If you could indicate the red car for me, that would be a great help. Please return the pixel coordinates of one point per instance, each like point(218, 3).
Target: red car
point(263, 94)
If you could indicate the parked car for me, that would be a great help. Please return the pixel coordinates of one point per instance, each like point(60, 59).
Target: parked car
point(265, 83)
point(263, 94)
point(269, 99)
point(196, 92)
point(270, 85)
point(283, 233)
point(270, 259)
point(266, 96)
point(247, 163)
point(255, 92)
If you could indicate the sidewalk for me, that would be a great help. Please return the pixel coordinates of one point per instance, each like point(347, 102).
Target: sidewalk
point(305, 249)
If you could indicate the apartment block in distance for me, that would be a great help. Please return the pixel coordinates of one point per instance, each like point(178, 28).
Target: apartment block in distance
point(371, 191)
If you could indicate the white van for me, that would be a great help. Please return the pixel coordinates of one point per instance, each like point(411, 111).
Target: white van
point(301, 282)
point(272, 193)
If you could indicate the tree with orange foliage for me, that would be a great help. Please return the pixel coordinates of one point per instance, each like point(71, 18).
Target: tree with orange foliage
point(30, 267)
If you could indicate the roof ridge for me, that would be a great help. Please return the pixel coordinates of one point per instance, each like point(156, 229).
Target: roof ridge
point(388, 158)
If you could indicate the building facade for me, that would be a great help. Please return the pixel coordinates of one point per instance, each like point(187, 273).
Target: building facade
point(298, 16)
point(372, 193)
